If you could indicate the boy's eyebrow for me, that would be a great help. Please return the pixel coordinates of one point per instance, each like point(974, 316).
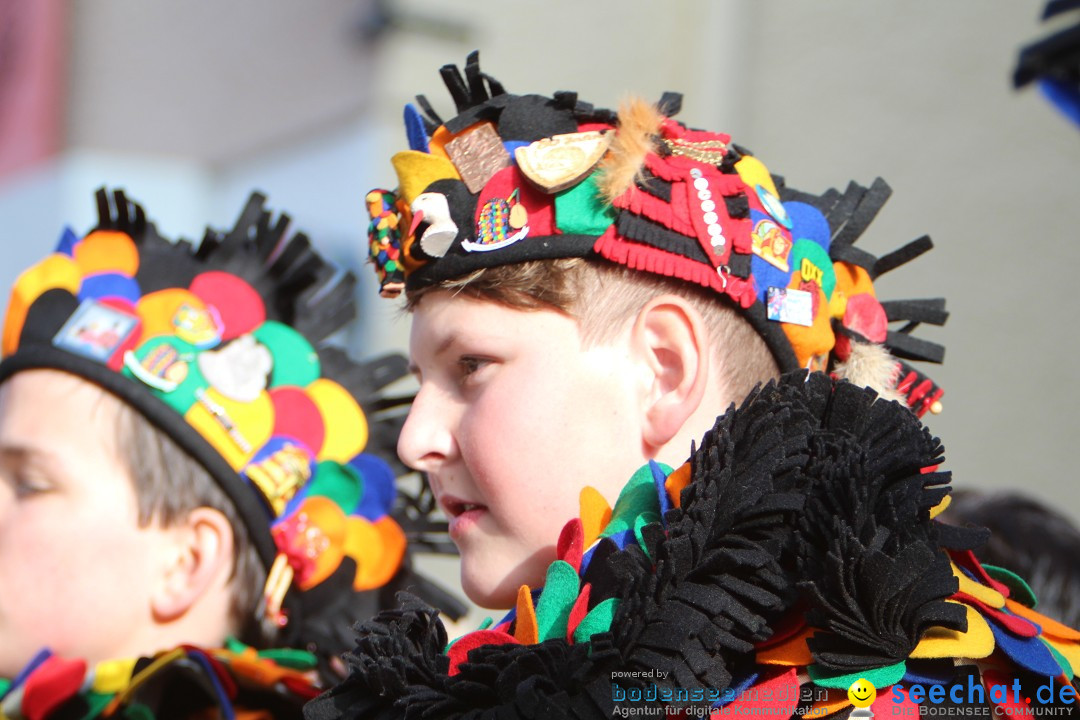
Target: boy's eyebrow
point(20, 452)
point(440, 349)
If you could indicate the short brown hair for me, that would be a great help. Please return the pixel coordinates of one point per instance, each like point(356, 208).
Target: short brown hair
point(603, 296)
point(169, 484)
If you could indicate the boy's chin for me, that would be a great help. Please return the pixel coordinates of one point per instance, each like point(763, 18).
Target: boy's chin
point(491, 585)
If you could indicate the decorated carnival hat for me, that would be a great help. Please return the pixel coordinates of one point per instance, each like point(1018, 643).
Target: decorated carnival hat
point(516, 178)
point(223, 347)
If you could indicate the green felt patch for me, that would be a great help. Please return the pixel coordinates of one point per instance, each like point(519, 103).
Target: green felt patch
point(295, 360)
point(96, 702)
point(138, 711)
point(553, 609)
point(1062, 661)
point(637, 498)
point(598, 620)
point(291, 658)
point(641, 521)
point(340, 483)
point(1019, 590)
point(581, 210)
point(174, 354)
point(878, 677)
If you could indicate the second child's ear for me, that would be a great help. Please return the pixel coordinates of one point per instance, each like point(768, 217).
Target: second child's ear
point(195, 564)
point(670, 336)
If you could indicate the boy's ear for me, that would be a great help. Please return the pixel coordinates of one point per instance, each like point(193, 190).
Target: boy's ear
point(196, 558)
point(670, 335)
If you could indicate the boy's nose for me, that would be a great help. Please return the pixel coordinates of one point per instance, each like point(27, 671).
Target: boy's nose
point(427, 440)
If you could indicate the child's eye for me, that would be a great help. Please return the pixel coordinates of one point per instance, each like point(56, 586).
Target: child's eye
point(470, 365)
point(26, 484)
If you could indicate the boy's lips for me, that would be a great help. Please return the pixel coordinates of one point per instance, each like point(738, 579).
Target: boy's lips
point(461, 513)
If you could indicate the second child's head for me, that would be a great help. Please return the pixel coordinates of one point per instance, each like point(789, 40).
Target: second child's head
point(591, 288)
point(114, 542)
point(181, 452)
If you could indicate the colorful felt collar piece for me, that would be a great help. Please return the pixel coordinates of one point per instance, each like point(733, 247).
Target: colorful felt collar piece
point(792, 556)
point(515, 178)
point(184, 682)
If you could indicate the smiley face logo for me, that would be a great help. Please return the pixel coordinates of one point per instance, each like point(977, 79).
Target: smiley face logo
point(862, 693)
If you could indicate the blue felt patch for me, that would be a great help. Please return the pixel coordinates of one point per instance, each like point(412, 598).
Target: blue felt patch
point(623, 538)
point(1029, 653)
point(928, 675)
point(223, 699)
point(109, 285)
point(66, 244)
point(379, 490)
point(807, 223)
point(30, 667)
point(1064, 96)
point(586, 558)
point(511, 146)
point(415, 130)
point(737, 688)
point(766, 276)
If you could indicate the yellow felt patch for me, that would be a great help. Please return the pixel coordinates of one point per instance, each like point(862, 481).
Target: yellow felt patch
point(378, 549)
point(817, 339)
point(416, 170)
point(107, 251)
point(753, 172)
point(326, 515)
point(676, 482)
point(1069, 650)
point(253, 422)
point(158, 309)
point(346, 426)
point(525, 630)
point(941, 506)
point(55, 271)
point(988, 595)
point(112, 676)
point(790, 652)
point(977, 642)
point(1049, 626)
point(595, 514)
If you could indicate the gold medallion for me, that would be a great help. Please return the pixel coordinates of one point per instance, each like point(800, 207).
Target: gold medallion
point(556, 163)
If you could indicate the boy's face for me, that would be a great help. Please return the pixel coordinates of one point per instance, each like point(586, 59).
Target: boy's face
point(514, 416)
point(75, 568)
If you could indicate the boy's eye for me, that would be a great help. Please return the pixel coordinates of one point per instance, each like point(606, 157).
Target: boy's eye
point(27, 483)
point(470, 365)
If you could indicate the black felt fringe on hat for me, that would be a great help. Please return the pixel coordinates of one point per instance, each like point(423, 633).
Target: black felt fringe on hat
point(812, 494)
